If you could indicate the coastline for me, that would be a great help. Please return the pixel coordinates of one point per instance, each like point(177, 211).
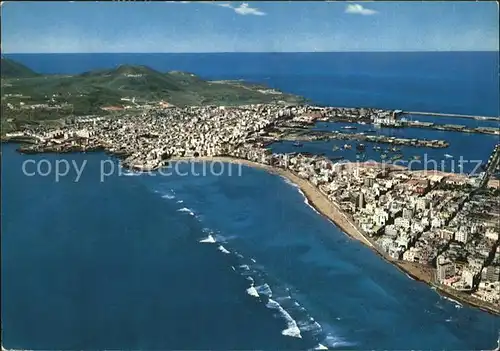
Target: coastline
point(331, 211)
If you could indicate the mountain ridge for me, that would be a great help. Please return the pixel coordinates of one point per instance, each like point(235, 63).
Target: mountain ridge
point(30, 96)
point(14, 69)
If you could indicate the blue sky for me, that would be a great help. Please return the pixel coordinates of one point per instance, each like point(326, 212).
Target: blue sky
point(183, 26)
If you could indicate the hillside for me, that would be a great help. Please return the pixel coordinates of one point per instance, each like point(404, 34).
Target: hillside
point(13, 69)
point(40, 97)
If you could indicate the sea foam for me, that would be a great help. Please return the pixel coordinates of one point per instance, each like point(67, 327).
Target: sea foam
point(306, 201)
point(252, 291)
point(187, 210)
point(289, 182)
point(310, 326)
point(209, 239)
point(223, 249)
point(292, 330)
point(335, 341)
point(131, 173)
point(244, 267)
point(457, 304)
point(264, 290)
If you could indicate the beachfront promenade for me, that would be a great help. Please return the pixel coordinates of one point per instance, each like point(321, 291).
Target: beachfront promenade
point(423, 222)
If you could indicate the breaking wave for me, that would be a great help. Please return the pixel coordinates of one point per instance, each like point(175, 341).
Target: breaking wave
point(457, 304)
point(335, 341)
point(299, 323)
point(223, 249)
point(264, 290)
point(187, 210)
point(208, 239)
point(252, 292)
point(129, 173)
point(306, 200)
point(292, 327)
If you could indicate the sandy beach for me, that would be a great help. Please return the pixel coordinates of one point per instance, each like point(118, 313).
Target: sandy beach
point(315, 198)
point(332, 212)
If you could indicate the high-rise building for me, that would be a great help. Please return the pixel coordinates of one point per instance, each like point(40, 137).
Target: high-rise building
point(407, 213)
point(369, 182)
point(461, 236)
point(422, 204)
point(445, 269)
point(361, 200)
point(491, 273)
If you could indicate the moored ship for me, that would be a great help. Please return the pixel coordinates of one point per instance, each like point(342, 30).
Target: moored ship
point(360, 147)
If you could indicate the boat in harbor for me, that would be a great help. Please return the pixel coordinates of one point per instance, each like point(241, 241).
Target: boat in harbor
point(360, 147)
point(448, 156)
point(347, 146)
point(348, 127)
point(297, 144)
point(335, 148)
point(370, 131)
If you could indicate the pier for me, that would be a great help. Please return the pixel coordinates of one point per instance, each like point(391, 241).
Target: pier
point(382, 139)
point(454, 115)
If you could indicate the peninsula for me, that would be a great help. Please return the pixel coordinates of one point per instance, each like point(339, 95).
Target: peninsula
point(438, 227)
point(30, 98)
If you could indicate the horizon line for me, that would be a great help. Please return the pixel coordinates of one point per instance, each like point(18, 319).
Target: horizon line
point(243, 52)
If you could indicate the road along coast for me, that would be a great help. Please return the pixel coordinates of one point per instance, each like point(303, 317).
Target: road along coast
point(332, 211)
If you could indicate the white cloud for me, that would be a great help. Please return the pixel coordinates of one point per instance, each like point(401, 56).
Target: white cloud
point(244, 9)
point(357, 9)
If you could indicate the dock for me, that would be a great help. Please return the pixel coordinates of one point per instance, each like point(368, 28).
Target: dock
point(454, 115)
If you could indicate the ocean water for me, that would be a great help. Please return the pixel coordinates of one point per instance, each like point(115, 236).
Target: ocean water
point(458, 157)
point(171, 262)
point(451, 82)
point(152, 262)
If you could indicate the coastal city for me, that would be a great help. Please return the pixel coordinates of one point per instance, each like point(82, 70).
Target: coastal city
point(441, 228)
point(254, 175)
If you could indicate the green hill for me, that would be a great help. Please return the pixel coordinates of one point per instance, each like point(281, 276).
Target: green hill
point(13, 69)
point(30, 97)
